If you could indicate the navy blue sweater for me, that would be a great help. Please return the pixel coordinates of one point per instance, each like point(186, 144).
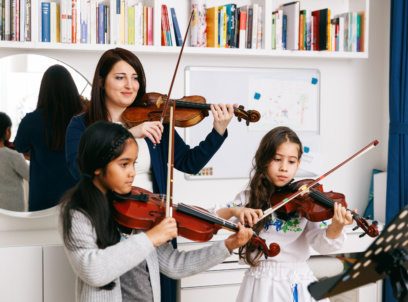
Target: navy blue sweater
point(49, 174)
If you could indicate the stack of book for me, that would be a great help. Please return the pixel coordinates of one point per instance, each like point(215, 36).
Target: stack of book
point(229, 26)
point(296, 29)
point(170, 31)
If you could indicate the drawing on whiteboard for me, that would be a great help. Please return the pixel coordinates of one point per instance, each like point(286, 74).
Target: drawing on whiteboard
point(285, 100)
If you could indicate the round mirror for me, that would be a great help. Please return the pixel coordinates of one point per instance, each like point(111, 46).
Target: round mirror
point(20, 78)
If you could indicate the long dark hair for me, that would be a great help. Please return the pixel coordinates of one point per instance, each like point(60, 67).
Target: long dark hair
point(5, 122)
point(260, 186)
point(96, 110)
point(59, 98)
point(101, 143)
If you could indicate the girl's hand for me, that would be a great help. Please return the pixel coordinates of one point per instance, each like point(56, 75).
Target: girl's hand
point(245, 215)
point(152, 130)
point(163, 232)
point(222, 116)
point(340, 218)
point(238, 239)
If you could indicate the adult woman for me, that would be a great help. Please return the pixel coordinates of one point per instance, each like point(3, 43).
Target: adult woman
point(42, 133)
point(119, 81)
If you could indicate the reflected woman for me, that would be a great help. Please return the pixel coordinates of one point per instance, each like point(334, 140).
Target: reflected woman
point(42, 133)
point(13, 170)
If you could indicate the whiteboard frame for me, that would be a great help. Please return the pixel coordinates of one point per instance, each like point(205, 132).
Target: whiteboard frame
point(250, 70)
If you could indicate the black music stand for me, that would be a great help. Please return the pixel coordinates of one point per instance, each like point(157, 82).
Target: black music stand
point(386, 257)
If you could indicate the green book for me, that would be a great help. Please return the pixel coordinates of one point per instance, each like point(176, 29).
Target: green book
point(273, 30)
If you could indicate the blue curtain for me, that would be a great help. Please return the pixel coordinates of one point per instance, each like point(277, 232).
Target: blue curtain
point(397, 177)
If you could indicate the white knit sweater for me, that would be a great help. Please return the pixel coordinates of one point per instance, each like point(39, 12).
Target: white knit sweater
point(96, 267)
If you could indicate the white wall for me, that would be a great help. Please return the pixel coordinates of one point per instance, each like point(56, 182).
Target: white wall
point(354, 108)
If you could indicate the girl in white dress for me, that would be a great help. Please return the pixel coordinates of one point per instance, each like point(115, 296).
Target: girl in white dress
point(285, 277)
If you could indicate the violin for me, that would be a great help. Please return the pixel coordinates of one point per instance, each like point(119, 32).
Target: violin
point(141, 209)
point(190, 111)
point(317, 205)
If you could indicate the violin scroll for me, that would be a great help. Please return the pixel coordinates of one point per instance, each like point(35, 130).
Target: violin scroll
point(272, 251)
point(251, 116)
point(370, 230)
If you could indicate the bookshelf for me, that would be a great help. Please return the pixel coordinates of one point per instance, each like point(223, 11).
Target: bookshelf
point(183, 13)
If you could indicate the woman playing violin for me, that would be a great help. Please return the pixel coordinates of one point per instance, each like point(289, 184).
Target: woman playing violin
point(286, 276)
point(119, 81)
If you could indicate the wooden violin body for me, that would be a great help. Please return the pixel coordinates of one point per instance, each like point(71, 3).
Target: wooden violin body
point(143, 210)
point(317, 205)
point(189, 111)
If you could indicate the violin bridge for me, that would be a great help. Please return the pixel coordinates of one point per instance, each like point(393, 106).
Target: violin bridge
point(159, 102)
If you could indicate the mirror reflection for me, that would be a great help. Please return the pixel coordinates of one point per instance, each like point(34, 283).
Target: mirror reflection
point(36, 89)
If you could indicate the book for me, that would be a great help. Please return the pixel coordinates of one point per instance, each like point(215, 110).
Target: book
point(284, 31)
point(131, 25)
point(69, 20)
point(212, 27)
point(169, 20)
point(53, 22)
point(301, 29)
point(163, 26)
point(233, 43)
point(292, 12)
point(273, 32)
point(179, 40)
point(22, 19)
point(228, 13)
point(57, 17)
point(279, 27)
point(362, 31)
point(112, 20)
point(149, 25)
point(122, 22)
point(260, 27)
point(45, 22)
point(249, 28)
point(254, 39)
point(101, 26)
point(242, 29)
point(139, 24)
point(27, 21)
point(198, 27)
point(221, 12)
point(74, 28)
point(84, 23)
point(322, 31)
point(7, 16)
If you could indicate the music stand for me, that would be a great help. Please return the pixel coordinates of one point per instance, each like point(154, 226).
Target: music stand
point(386, 257)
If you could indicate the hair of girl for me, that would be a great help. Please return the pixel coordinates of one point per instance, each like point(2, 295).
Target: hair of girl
point(5, 122)
point(101, 143)
point(96, 110)
point(260, 186)
point(59, 98)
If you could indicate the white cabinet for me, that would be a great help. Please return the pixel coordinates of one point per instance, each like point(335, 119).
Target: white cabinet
point(36, 274)
point(21, 274)
point(59, 278)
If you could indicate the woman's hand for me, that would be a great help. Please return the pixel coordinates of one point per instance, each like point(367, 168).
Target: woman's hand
point(222, 116)
point(152, 130)
point(245, 215)
point(163, 232)
point(341, 217)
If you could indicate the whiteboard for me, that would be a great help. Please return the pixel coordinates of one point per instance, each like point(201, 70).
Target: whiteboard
point(283, 97)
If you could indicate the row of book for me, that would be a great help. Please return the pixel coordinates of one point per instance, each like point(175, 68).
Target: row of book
point(170, 30)
point(296, 29)
point(229, 26)
point(15, 20)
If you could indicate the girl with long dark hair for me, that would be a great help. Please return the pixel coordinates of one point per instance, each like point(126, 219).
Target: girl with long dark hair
point(112, 264)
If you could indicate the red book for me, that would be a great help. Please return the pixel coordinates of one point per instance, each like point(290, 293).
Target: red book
point(163, 25)
point(150, 26)
point(315, 29)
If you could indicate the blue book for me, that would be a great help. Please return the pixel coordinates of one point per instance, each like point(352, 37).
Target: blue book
point(84, 28)
point(284, 30)
point(45, 22)
point(228, 23)
point(179, 40)
point(101, 27)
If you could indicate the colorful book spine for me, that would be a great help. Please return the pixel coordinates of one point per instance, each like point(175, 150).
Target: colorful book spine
point(234, 26)
point(84, 23)
point(45, 22)
point(150, 25)
point(7, 36)
point(122, 22)
point(163, 26)
point(101, 35)
point(58, 24)
point(169, 20)
point(199, 24)
point(249, 28)
point(260, 28)
point(22, 19)
point(284, 30)
point(273, 31)
point(17, 20)
point(131, 25)
point(179, 39)
point(242, 29)
point(27, 27)
point(74, 21)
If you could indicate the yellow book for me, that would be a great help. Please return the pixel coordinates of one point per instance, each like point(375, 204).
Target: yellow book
point(212, 27)
point(131, 26)
point(58, 23)
point(144, 25)
point(122, 22)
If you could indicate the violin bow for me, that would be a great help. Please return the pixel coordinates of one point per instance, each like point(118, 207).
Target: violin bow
point(170, 161)
point(311, 184)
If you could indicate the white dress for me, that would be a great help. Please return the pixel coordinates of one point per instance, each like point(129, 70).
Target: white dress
point(285, 277)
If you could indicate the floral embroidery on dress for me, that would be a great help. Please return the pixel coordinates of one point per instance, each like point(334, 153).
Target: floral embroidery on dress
point(291, 224)
point(233, 204)
point(323, 224)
